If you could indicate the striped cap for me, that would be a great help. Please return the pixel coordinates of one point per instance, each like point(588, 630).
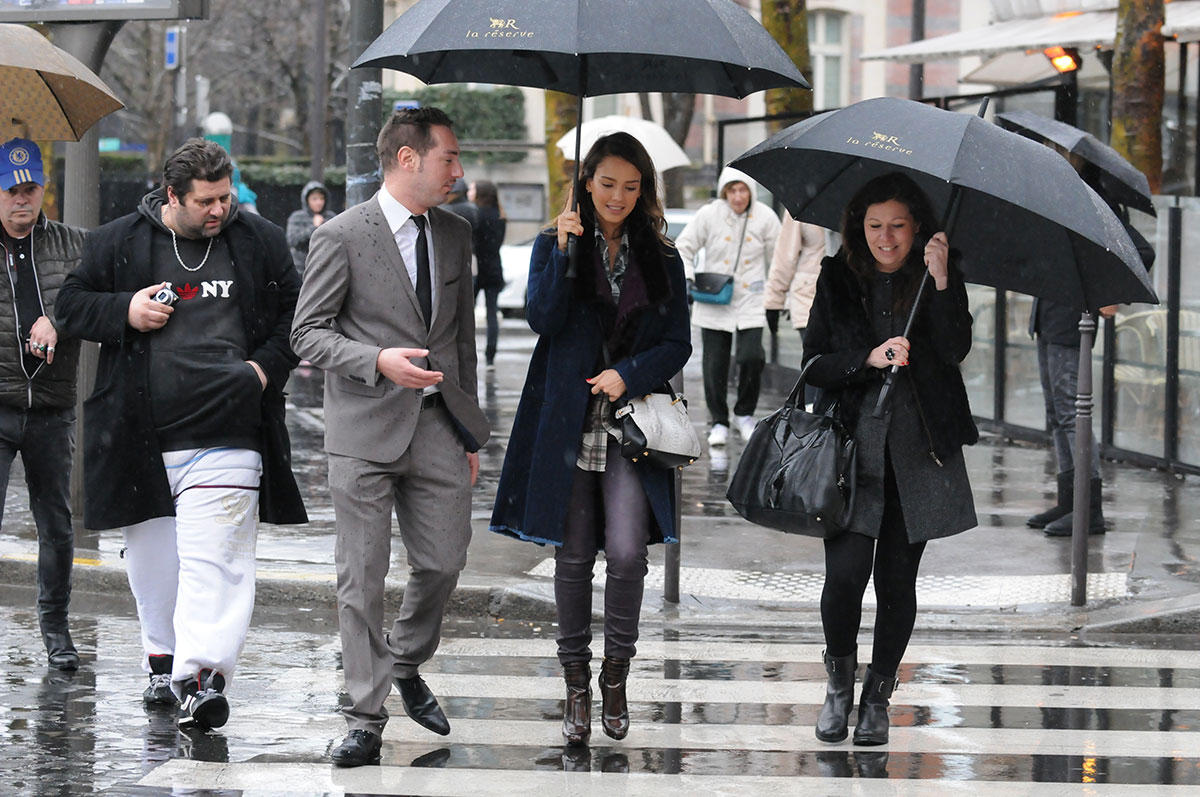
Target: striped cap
point(20, 162)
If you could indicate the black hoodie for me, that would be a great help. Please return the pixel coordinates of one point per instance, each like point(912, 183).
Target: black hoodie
point(203, 393)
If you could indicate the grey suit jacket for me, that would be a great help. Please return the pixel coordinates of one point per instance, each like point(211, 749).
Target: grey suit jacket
point(357, 299)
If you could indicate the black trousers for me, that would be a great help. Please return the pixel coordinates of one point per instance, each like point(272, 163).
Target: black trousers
point(750, 359)
point(850, 559)
point(45, 439)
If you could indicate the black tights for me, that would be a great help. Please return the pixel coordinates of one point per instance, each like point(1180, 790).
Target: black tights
point(848, 564)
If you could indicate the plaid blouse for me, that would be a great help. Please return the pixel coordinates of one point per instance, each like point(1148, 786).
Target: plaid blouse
point(599, 423)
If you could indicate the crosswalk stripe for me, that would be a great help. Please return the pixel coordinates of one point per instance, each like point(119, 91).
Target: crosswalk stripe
point(945, 741)
point(810, 692)
point(309, 778)
point(650, 649)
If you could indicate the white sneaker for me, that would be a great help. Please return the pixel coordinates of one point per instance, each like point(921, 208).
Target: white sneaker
point(718, 435)
point(744, 425)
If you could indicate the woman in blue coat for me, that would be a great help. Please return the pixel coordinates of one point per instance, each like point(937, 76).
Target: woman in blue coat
point(618, 328)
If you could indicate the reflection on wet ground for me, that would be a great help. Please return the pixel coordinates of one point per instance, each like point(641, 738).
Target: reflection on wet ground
point(88, 732)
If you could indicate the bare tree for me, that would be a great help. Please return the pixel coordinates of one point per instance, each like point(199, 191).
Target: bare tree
point(134, 68)
point(257, 59)
point(1138, 84)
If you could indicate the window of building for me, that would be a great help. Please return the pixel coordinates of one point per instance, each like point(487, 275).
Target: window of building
point(828, 32)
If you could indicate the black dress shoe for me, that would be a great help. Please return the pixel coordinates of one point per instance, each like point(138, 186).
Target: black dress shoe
point(359, 748)
point(421, 705)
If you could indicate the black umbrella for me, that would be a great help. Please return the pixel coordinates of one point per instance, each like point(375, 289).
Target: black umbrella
point(587, 47)
point(1119, 180)
point(1032, 225)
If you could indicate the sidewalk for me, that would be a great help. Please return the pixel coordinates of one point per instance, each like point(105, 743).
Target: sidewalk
point(1001, 575)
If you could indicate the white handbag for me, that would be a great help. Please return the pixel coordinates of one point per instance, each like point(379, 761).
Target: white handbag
point(656, 428)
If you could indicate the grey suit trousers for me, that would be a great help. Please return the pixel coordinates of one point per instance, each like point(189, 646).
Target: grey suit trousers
point(429, 489)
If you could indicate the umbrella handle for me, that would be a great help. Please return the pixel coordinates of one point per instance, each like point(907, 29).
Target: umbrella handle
point(572, 240)
point(885, 392)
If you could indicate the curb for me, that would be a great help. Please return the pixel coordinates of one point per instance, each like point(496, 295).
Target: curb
point(533, 600)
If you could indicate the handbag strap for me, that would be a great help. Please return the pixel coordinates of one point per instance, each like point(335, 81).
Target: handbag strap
point(795, 397)
point(741, 239)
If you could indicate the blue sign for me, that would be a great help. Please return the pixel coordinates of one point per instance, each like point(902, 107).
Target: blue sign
point(406, 105)
point(171, 47)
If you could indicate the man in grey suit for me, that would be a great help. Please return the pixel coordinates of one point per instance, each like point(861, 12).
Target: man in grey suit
point(387, 311)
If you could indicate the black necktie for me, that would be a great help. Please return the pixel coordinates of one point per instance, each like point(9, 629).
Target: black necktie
point(424, 285)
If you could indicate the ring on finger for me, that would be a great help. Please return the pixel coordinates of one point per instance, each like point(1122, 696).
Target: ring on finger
point(890, 354)
point(50, 349)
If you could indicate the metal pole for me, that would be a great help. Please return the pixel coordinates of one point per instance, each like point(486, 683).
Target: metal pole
point(916, 72)
point(1171, 388)
point(320, 75)
point(1083, 449)
point(89, 42)
point(1000, 356)
point(366, 113)
point(672, 557)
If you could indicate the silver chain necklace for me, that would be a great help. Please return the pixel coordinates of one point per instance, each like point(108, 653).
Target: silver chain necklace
point(186, 267)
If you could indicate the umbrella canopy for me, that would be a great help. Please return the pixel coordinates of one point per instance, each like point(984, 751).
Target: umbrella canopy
point(663, 150)
point(587, 47)
point(47, 94)
point(1119, 179)
point(1028, 222)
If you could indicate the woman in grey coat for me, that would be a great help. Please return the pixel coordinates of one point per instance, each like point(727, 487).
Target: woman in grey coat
point(911, 479)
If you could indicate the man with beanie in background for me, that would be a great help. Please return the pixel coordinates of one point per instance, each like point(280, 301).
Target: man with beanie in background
point(37, 380)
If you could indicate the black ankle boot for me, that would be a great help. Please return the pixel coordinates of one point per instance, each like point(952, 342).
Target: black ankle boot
point(833, 722)
point(1066, 499)
point(872, 727)
point(614, 717)
point(577, 710)
point(1065, 525)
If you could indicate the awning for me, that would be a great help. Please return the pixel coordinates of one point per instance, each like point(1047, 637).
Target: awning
point(1080, 29)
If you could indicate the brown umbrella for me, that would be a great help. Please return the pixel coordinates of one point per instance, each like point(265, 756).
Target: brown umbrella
point(47, 94)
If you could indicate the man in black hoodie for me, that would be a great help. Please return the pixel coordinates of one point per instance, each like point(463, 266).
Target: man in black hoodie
point(184, 435)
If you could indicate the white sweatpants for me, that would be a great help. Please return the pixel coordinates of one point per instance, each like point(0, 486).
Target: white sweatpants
point(192, 575)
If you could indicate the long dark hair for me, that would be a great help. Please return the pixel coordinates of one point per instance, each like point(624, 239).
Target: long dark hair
point(898, 187)
point(647, 214)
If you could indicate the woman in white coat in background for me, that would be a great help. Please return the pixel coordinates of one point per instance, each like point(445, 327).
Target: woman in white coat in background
point(737, 234)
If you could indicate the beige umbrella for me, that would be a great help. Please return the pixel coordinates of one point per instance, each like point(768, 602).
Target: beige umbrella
point(46, 94)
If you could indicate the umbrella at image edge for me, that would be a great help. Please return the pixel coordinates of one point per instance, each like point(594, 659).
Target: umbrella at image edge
point(1026, 222)
point(46, 94)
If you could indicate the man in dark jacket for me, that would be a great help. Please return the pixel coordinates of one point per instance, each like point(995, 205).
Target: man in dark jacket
point(301, 224)
point(1056, 328)
point(184, 438)
point(37, 381)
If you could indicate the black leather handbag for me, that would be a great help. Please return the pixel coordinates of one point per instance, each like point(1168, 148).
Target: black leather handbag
point(796, 473)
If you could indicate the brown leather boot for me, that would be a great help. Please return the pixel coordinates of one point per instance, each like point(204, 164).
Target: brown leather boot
point(577, 710)
point(614, 718)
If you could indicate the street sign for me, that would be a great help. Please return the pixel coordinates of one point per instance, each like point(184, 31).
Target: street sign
point(172, 47)
point(76, 11)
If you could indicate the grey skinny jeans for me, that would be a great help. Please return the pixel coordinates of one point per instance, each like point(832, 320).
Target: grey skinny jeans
point(607, 511)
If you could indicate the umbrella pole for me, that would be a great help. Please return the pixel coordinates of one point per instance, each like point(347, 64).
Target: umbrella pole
point(571, 239)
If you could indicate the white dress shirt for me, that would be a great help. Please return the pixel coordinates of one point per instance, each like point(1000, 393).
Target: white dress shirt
point(404, 231)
